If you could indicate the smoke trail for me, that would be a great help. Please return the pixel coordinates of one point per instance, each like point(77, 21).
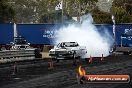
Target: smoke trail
point(86, 34)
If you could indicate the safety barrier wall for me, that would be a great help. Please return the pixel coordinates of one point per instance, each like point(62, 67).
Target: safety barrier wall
point(16, 55)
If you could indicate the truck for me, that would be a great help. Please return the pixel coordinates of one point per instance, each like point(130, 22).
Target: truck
point(68, 50)
point(20, 43)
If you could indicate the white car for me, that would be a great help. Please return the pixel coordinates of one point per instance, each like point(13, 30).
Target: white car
point(68, 50)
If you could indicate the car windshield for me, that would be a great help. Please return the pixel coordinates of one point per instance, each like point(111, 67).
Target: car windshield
point(20, 40)
point(68, 44)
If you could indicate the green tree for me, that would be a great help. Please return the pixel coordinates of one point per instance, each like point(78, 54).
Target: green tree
point(100, 17)
point(122, 11)
point(6, 12)
point(120, 8)
point(36, 11)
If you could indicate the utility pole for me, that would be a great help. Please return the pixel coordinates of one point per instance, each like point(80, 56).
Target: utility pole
point(15, 31)
point(114, 30)
point(121, 40)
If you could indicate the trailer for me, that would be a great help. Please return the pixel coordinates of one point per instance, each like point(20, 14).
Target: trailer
point(39, 35)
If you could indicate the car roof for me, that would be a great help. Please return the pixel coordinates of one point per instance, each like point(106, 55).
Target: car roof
point(69, 42)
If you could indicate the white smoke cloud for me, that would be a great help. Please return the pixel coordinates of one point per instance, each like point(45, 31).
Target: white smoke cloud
point(86, 34)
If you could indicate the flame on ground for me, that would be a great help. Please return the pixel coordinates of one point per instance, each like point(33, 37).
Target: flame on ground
point(81, 71)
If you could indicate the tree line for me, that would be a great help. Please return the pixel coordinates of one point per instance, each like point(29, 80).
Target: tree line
point(43, 11)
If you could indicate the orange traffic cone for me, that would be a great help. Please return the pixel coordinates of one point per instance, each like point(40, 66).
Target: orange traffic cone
point(51, 66)
point(91, 59)
point(102, 58)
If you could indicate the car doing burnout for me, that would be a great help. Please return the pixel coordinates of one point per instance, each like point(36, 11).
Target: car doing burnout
point(68, 50)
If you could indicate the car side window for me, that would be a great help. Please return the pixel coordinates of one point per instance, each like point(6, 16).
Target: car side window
point(62, 44)
point(58, 45)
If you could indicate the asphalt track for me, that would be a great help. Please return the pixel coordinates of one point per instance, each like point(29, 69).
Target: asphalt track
point(36, 74)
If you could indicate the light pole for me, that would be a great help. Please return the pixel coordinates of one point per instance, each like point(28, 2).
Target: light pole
point(114, 24)
point(121, 40)
point(114, 30)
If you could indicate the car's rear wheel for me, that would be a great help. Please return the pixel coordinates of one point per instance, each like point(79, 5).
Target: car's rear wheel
point(57, 60)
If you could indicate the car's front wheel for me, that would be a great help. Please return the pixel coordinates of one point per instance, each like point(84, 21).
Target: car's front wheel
point(55, 59)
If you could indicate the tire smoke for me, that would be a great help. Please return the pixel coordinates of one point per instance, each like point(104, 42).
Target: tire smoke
point(86, 34)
